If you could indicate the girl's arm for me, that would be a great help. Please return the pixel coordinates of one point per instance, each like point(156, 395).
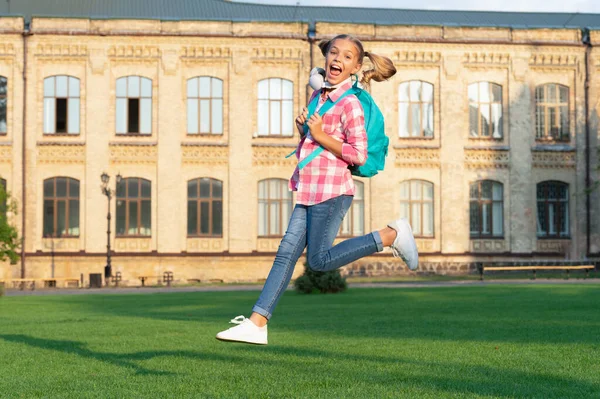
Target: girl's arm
point(315, 124)
point(354, 149)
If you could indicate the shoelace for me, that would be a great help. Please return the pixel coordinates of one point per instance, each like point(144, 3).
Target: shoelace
point(396, 253)
point(238, 320)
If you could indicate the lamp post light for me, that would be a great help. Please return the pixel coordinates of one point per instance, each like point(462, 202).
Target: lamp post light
point(106, 190)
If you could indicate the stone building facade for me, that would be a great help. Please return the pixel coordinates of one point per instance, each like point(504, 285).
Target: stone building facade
point(527, 163)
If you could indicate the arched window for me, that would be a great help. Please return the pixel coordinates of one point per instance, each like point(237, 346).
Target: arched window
point(552, 112)
point(134, 212)
point(416, 205)
point(552, 209)
point(61, 207)
point(485, 110)
point(3, 94)
point(204, 105)
point(415, 104)
point(275, 107)
point(205, 208)
point(274, 207)
point(354, 221)
point(134, 105)
point(486, 209)
point(61, 105)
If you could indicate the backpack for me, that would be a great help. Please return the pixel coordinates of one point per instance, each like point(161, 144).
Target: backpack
point(377, 141)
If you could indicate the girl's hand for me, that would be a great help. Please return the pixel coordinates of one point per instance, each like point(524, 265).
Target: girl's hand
point(301, 120)
point(315, 125)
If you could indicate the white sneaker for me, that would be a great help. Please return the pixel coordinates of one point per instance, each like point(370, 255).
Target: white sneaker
point(245, 331)
point(404, 245)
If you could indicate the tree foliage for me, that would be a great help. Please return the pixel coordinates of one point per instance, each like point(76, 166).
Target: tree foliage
point(9, 236)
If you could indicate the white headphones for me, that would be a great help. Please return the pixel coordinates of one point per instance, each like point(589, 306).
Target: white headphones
point(317, 78)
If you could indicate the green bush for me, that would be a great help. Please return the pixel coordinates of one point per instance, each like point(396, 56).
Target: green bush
point(324, 282)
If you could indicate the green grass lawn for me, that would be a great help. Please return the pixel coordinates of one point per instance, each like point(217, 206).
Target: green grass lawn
point(479, 341)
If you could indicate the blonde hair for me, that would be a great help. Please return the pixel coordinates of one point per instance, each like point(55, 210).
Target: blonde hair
point(383, 67)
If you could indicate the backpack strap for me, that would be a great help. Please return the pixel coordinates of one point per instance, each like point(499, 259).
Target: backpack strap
point(312, 106)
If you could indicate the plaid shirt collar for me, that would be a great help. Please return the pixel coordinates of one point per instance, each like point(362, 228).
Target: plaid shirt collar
point(335, 94)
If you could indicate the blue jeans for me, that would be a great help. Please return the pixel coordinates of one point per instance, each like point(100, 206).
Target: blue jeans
point(315, 226)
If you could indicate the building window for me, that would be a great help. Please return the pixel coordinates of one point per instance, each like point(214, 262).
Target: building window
point(415, 104)
point(205, 208)
point(416, 205)
point(61, 207)
point(3, 94)
point(486, 209)
point(274, 207)
point(61, 105)
point(275, 107)
point(552, 209)
point(552, 112)
point(134, 212)
point(485, 110)
point(134, 105)
point(205, 105)
point(353, 224)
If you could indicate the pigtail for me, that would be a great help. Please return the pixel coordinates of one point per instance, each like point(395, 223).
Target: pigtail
point(383, 69)
point(324, 46)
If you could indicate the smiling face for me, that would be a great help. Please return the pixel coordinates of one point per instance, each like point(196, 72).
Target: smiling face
point(342, 60)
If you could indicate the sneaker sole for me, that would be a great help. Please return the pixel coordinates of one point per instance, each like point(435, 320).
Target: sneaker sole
point(241, 342)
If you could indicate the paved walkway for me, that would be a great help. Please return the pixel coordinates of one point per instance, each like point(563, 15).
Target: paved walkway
point(258, 287)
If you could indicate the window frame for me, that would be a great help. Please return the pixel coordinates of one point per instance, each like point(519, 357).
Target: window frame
point(281, 100)
point(55, 200)
point(480, 204)
point(479, 103)
point(281, 201)
point(420, 202)
point(422, 107)
point(140, 97)
point(547, 136)
point(557, 219)
point(210, 99)
point(127, 200)
point(356, 202)
point(68, 108)
point(4, 204)
point(4, 96)
point(199, 200)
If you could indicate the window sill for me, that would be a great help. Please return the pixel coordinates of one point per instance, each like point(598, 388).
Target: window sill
point(557, 146)
point(555, 238)
point(273, 136)
point(416, 138)
point(493, 139)
point(499, 238)
point(204, 237)
point(204, 135)
point(133, 134)
point(132, 236)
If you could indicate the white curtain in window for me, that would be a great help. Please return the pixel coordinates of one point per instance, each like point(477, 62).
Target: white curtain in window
point(49, 115)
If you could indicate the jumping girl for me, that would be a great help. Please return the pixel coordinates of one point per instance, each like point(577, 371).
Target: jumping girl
point(325, 188)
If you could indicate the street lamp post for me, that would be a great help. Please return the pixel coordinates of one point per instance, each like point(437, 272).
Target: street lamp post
point(106, 190)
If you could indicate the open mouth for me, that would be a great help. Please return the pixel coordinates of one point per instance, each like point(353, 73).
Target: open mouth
point(335, 70)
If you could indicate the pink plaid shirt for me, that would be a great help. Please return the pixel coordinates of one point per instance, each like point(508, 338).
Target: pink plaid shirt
point(328, 176)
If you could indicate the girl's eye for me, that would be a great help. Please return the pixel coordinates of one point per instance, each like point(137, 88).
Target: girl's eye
point(348, 57)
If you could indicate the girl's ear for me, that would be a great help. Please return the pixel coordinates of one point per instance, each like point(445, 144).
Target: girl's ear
point(356, 69)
